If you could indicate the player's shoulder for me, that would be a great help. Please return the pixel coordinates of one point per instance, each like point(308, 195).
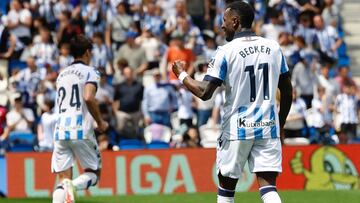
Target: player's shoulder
point(270, 43)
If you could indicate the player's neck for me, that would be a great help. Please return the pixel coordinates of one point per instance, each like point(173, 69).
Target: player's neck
point(81, 60)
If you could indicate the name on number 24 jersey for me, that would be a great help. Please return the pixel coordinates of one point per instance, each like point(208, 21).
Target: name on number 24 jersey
point(74, 119)
point(250, 67)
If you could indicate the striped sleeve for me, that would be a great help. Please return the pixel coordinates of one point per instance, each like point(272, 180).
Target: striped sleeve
point(217, 68)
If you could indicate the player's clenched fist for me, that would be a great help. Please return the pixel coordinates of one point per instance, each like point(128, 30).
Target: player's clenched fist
point(178, 67)
point(296, 163)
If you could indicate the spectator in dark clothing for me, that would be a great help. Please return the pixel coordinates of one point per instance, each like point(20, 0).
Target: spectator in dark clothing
point(127, 103)
point(66, 29)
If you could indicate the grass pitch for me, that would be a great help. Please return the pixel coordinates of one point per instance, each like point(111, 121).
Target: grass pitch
point(247, 197)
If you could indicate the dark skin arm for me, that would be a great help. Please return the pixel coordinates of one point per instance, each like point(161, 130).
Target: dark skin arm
point(202, 89)
point(285, 88)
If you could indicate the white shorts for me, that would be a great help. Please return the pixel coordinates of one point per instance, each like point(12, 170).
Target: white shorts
point(263, 156)
point(85, 151)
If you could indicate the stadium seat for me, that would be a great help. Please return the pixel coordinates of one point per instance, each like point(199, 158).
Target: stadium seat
point(131, 144)
point(158, 145)
point(22, 138)
point(21, 148)
point(157, 132)
point(16, 64)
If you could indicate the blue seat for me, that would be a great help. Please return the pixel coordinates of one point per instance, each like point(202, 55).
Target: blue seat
point(131, 144)
point(158, 145)
point(21, 148)
point(22, 137)
point(16, 64)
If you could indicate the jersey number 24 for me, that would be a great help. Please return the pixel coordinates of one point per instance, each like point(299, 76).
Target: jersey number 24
point(74, 99)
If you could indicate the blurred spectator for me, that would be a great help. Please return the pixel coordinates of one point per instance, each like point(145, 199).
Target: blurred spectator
point(330, 13)
point(151, 45)
point(327, 40)
point(19, 21)
point(31, 77)
point(65, 59)
point(321, 117)
point(101, 54)
point(152, 19)
point(331, 86)
point(160, 100)
point(204, 108)
point(45, 51)
point(191, 138)
point(346, 107)
point(118, 77)
point(118, 26)
point(46, 127)
point(209, 48)
point(105, 92)
point(304, 79)
point(295, 122)
point(344, 78)
point(192, 36)
point(93, 18)
point(66, 30)
point(177, 51)
point(304, 29)
point(185, 101)
point(133, 53)
point(172, 20)
point(61, 6)
point(46, 10)
point(168, 6)
point(18, 119)
point(274, 27)
point(127, 102)
point(199, 11)
point(7, 43)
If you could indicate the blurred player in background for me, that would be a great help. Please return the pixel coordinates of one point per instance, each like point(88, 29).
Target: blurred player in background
point(74, 132)
point(252, 68)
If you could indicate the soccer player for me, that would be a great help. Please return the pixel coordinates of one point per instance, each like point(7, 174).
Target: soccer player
point(252, 68)
point(74, 132)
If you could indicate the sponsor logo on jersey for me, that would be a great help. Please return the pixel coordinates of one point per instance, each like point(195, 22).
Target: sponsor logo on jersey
point(243, 123)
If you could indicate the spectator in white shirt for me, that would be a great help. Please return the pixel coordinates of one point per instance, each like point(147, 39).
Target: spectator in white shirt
point(65, 59)
point(346, 107)
point(46, 127)
point(295, 121)
point(92, 15)
point(19, 21)
point(151, 45)
point(19, 119)
point(185, 102)
point(274, 27)
point(101, 53)
point(45, 51)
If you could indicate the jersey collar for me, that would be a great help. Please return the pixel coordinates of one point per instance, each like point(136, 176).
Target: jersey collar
point(246, 33)
point(77, 61)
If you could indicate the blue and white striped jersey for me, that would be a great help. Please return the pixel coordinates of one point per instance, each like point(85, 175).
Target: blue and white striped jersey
point(249, 66)
point(74, 119)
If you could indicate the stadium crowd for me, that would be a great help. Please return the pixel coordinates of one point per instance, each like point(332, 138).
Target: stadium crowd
point(134, 44)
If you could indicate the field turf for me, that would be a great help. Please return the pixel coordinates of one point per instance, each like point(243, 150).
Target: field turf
point(248, 197)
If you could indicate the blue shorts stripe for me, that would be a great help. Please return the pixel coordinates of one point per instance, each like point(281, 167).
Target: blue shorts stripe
point(241, 131)
point(67, 124)
point(258, 115)
point(79, 124)
point(273, 129)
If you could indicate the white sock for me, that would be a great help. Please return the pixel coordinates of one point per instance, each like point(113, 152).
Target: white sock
point(85, 180)
point(222, 199)
point(269, 194)
point(59, 194)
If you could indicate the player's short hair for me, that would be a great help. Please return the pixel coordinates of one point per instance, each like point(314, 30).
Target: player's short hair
point(244, 11)
point(79, 45)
